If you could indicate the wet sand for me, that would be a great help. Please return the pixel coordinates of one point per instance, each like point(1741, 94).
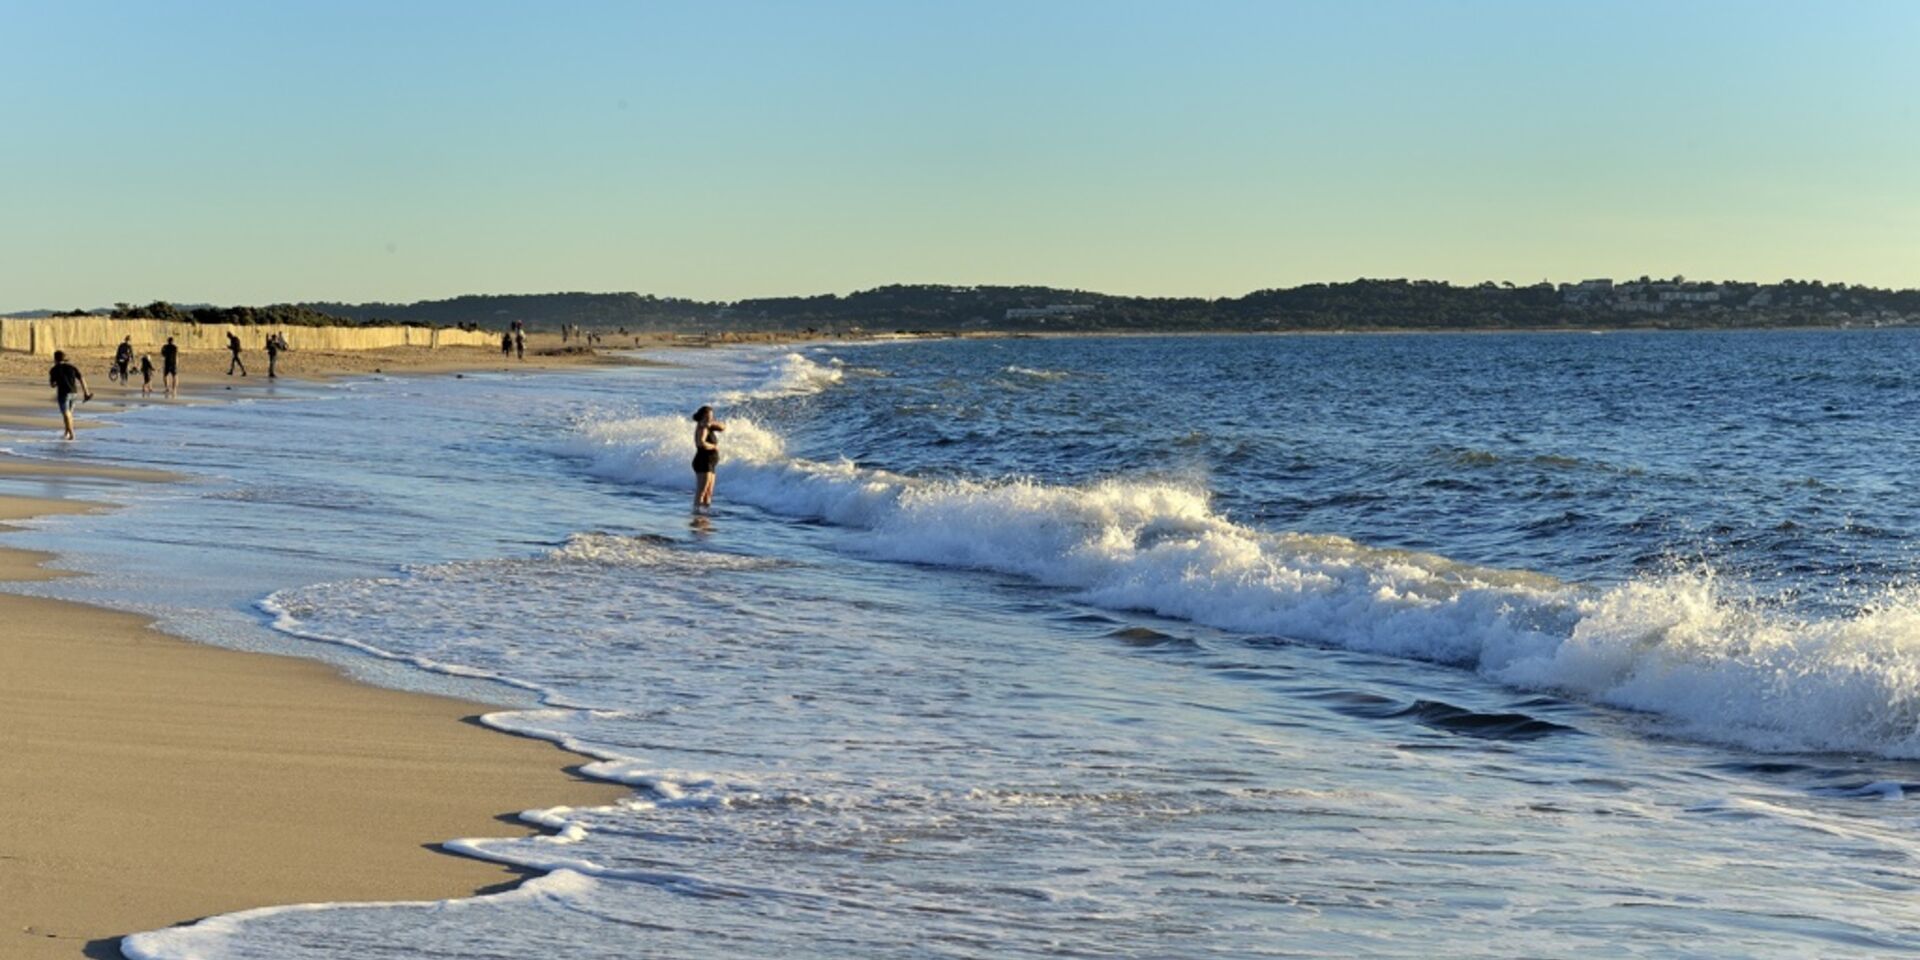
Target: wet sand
point(147, 781)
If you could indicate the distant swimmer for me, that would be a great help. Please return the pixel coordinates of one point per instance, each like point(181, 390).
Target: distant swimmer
point(706, 454)
point(68, 383)
point(170, 367)
point(146, 374)
point(233, 347)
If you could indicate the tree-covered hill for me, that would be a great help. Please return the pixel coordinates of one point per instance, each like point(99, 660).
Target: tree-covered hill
point(1355, 305)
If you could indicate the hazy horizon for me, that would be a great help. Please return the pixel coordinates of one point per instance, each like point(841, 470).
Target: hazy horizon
point(223, 153)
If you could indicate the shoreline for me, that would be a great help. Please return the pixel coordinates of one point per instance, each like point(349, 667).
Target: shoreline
point(148, 781)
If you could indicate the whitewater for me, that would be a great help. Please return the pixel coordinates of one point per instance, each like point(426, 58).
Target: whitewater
point(1395, 646)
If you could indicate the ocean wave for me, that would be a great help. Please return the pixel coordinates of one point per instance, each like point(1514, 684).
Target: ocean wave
point(1035, 374)
point(793, 375)
point(1689, 646)
point(659, 553)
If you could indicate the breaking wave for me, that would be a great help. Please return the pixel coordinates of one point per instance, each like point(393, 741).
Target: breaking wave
point(1689, 646)
point(793, 376)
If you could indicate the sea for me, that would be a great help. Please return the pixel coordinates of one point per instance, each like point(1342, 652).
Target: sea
point(1544, 645)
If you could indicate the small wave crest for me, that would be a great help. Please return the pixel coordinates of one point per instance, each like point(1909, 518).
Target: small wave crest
point(1035, 374)
point(607, 549)
point(793, 375)
point(1686, 645)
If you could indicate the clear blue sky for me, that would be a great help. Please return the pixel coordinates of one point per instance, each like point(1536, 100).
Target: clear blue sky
point(269, 151)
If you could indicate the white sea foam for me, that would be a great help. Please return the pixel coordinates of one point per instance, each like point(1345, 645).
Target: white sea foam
point(1687, 646)
point(230, 935)
point(287, 618)
point(1034, 373)
point(793, 375)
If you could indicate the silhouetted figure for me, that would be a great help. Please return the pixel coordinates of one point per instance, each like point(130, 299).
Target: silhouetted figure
point(146, 374)
point(273, 356)
point(123, 359)
point(233, 347)
point(519, 343)
point(706, 454)
point(170, 367)
point(506, 345)
point(68, 383)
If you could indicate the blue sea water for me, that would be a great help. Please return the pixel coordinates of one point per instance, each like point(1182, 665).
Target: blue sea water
point(1546, 645)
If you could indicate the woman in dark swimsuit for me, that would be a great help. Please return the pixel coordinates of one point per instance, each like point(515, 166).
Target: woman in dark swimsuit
point(706, 454)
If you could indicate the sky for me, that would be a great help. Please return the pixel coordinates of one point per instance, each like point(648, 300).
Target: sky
point(413, 149)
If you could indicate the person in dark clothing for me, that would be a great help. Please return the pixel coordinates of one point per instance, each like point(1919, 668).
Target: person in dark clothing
point(520, 343)
point(233, 347)
point(273, 356)
point(67, 382)
point(170, 367)
point(146, 374)
point(123, 359)
point(506, 345)
point(706, 455)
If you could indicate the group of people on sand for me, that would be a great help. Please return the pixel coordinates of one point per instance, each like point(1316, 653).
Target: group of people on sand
point(70, 385)
point(276, 345)
point(123, 366)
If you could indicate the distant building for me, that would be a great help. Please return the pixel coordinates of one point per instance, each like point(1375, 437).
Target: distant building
point(1690, 296)
point(1586, 291)
point(1640, 306)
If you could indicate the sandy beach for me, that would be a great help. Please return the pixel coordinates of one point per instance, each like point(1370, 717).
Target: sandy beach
point(147, 781)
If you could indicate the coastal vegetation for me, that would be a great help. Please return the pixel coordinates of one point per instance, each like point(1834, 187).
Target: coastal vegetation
point(278, 315)
point(1355, 305)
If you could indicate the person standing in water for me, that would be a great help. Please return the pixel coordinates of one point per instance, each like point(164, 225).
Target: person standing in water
point(146, 374)
point(706, 454)
point(273, 356)
point(67, 382)
point(233, 347)
point(170, 368)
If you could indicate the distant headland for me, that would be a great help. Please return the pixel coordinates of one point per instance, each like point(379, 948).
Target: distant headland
point(1641, 303)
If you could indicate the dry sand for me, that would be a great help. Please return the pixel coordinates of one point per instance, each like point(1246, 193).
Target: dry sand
point(146, 781)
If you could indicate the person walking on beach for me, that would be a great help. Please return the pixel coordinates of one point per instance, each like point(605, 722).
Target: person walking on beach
point(67, 382)
point(233, 347)
point(146, 374)
point(123, 359)
point(706, 454)
point(506, 345)
point(273, 356)
point(519, 343)
point(170, 368)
